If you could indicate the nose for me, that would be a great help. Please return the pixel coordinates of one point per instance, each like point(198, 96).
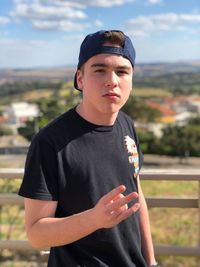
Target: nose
point(111, 80)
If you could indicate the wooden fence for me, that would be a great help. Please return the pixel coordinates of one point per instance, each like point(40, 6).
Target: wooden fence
point(148, 174)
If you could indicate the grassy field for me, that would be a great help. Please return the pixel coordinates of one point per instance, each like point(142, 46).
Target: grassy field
point(174, 226)
point(169, 226)
point(150, 92)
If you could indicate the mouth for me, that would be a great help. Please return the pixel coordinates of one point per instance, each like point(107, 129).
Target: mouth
point(111, 95)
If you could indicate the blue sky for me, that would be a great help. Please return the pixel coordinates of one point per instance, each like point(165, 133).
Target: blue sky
point(40, 33)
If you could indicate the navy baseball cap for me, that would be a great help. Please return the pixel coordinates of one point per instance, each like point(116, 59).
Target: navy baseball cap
point(93, 44)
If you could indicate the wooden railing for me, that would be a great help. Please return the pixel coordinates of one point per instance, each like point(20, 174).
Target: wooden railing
point(148, 174)
point(171, 202)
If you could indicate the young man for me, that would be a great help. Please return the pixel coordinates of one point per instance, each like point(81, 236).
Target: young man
point(81, 183)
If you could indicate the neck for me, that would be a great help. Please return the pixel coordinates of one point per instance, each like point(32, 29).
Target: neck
point(95, 117)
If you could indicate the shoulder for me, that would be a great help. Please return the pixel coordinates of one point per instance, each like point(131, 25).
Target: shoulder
point(57, 131)
point(123, 116)
point(126, 120)
point(58, 123)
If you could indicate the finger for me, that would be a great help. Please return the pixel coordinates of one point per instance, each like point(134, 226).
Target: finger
point(124, 215)
point(119, 196)
point(113, 194)
point(121, 202)
point(117, 212)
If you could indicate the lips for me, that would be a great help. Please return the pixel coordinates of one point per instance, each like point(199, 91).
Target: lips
point(111, 94)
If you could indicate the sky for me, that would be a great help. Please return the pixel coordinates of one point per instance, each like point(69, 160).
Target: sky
point(48, 33)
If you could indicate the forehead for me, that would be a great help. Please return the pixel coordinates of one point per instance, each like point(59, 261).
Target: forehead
point(109, 60)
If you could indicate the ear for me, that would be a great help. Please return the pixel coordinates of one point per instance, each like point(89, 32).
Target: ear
point(79, 79)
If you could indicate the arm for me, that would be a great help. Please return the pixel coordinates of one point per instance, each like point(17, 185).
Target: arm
point(45, 230)
point(147, 244)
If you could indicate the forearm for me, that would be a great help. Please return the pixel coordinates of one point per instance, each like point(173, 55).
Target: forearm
point(47, 232)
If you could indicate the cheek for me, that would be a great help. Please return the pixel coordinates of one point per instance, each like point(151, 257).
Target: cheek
point(90, 81)
point(90, 90)
point(127, 88)
point(125, 94)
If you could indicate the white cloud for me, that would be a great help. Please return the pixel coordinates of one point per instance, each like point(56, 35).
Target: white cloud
point(97, 3)
point(63, 25)
point(20, 1)
point(154, 2)
point(169, 22)
point(59, 15)
point(58, 9)
point(63, 3)
point(98, 23)
point(50, 15)
point(103, 3)
point(4, 20)
point(53, 12)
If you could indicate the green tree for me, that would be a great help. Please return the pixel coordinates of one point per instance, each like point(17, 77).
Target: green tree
point(148, 141)
point(194, 121)
point(49, 110)
point(181, 140)
point(28, 130)
point(5, 130)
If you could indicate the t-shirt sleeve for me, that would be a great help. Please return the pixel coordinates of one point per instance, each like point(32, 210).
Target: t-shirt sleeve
point(40, 179)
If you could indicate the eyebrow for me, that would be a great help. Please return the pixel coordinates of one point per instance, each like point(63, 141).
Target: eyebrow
point(95, 65)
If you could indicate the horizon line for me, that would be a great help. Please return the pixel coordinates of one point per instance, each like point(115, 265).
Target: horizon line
point(191, 62)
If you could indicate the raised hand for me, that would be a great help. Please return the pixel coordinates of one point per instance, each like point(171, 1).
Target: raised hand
point(112, 208)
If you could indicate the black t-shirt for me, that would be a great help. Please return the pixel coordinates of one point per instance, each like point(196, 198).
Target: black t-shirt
point(75, 163)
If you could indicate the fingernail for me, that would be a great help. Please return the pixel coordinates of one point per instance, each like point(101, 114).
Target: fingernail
point(123, 187)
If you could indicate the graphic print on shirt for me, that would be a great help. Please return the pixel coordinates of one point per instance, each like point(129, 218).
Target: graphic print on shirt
point(133, 157)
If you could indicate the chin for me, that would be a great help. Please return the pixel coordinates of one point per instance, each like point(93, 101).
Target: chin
point(111, 111)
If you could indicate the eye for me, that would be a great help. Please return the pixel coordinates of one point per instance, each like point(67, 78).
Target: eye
point(122, 72)
point(99, 70)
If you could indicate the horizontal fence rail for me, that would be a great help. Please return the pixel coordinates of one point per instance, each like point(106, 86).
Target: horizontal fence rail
point(11, 198)
point(152, 202)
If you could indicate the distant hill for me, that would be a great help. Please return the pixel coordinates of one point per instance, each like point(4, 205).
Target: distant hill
point(157, 69)
point(67, 73)
point(168, 78)
point(39, 74)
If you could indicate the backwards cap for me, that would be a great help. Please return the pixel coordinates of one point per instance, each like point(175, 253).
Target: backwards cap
point(93, 44)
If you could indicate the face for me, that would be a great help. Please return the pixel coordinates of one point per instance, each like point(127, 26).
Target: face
point(106, 83)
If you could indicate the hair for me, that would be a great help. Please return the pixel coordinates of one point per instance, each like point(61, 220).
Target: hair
point(114, 37)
